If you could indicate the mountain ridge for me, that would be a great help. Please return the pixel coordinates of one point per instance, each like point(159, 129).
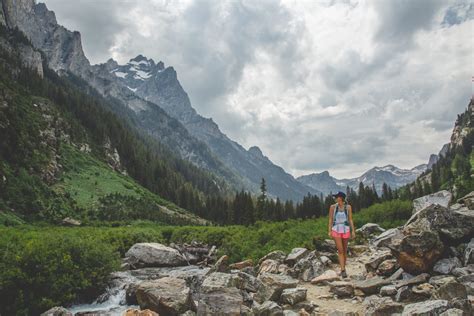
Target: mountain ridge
point(191, 136)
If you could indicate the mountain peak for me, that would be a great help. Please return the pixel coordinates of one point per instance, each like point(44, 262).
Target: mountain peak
point(255, 150)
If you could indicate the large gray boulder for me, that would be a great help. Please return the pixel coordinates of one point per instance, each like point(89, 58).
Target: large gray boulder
point(467, 200)
point(224, 301)
point(372, 285)
point(307, 267)
point(452, 226)
point(273, 285)
point(277, 255)
point(218, 280)
point(390, 238)
point(369, 229)
point(468, 281)
point(379, 306)
point(341, 288)
point(430, 307)
point(447, 265)
point(154, 255)
point(167, 296)
point(376, 258)
point(450, 291)
point(268, 308)
point(293, 295)
point(442, 198)
point(419, 252)
point(295, 255)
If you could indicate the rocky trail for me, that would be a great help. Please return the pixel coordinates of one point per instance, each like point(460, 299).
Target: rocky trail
point(425, 267)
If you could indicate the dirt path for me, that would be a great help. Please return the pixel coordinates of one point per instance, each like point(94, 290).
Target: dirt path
point(326, 300)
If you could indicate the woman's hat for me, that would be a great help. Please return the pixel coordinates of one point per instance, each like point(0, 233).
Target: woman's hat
point(340, 193)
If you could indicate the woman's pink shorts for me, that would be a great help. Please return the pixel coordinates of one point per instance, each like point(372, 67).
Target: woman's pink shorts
point(340, 235)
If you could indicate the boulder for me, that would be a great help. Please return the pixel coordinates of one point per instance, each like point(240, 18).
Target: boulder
point(242, 264)
point(379, 306)
point(439, 280)
point(293, 295)
point(376, 258)
point(154, 255)
point(467, 200)
point(452, 312)
point(341, 288)
point(248, 282)
point(221, 265)
point(268, 308)
point(396, 275)
point(468, 282)
point(450, 291)
point(452, 226)
point(419, 252)
point(403, 293)
point(430, 307)
point(224, 301)
point(277, 255)
point(388, 290)
point(167, 296)
point(306, 306)
point(387, 267)
point(269, 266)
point(420, 278)
point(372, 285)
point(137, 312)
point(273, 285)
point(423, 290)
point(57, 311)
point(442, 198)
point(218, 280)
point(369, 229)
point(447, 265)
point(390, 238)
point(295, 255)
point(326, 245)
point(327, 276)
point(307, 267)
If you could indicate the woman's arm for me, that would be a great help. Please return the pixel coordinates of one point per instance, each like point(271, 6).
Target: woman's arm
point(330, 217)
point(350, 220)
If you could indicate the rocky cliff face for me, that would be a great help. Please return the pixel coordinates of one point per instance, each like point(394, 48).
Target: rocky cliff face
point(463, 125)
point(159, 84)
point(150, 95)
point(64, 54)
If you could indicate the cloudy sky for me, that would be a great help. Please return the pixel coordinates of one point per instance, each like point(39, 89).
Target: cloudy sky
point(317, 85)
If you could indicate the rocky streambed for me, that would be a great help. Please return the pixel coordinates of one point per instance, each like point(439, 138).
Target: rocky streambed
point(425, 267)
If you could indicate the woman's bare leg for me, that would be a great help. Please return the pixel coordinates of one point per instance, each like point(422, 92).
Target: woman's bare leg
point(345, 241)
point(340, 252)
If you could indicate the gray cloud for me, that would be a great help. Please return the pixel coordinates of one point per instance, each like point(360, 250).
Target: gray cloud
point(294, 78)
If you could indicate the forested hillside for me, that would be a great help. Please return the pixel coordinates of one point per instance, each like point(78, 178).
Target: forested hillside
point(54, 136)
point(455, 169)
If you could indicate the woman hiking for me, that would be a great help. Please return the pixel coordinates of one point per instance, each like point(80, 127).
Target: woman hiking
point(341, 227)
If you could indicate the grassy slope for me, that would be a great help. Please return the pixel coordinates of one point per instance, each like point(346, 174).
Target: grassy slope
point(86, 180)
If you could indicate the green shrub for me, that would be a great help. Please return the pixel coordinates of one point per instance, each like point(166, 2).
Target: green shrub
point(39, 270)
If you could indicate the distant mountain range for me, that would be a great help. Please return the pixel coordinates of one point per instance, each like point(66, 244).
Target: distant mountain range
point(393, 176)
